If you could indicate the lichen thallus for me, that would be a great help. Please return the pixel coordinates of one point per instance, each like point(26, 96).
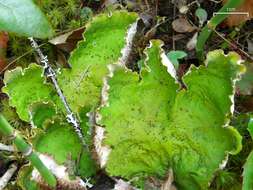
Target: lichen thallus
point(50, 74)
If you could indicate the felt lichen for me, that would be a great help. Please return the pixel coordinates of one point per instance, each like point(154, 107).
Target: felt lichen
point(25, 87)
point(83, 82)
point(36, 101)
point(150, 125)
point(105, 38)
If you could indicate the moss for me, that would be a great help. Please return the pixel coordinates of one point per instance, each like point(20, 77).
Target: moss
point(63, 15)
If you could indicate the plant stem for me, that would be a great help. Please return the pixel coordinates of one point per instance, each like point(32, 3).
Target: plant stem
point(213, 23)
point(26, 149)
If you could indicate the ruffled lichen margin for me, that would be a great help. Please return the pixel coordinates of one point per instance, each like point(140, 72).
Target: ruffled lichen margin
point(143, 133)
point(81, 85)
point(146, 125)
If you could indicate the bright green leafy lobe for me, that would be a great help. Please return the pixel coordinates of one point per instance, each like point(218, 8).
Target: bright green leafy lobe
point(24, 18)
point(40, 112)
point(86, 166)
point(25, 87)
point(24, 178)
point(60, 141)
point(151, 127)
point(104, 40)
point(105, 37)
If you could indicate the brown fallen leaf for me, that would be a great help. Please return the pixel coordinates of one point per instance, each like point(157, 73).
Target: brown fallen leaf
point(168, 183)
point(4, 38)
point(62, 58)
point(181, 25)
point(67, 41)
point(157, 184)
point(123, 185)
point(191, 44)
point(235, 20)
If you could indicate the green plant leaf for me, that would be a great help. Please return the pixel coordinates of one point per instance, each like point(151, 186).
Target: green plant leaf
point(248, 167)
point(202, 15)
point(248, 173)
point(24, 18)
point(151, 127)
point(174, 56)
point(250, 127)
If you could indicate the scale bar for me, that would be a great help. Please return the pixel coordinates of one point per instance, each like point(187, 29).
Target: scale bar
point(231, 13)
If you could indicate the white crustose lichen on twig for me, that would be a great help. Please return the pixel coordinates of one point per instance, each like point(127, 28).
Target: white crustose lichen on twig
point(50, 73)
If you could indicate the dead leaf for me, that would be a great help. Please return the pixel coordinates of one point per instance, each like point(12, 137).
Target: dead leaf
point(182, 25)
point(157, 184)
point(62, 58)
point(250, 46)
point(245, 104)
point(168, 183)
point(245, 85)
point(107, 3)
point(192, 42)
point(180, 4)
point(4, 38)
point(122, 185)
point(67, 42)
point(235, 20)
point(152, 184)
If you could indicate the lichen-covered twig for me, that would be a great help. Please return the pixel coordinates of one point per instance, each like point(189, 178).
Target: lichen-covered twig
point(8, 148)
point(212, 24)
point(50, 73)
point(7, 176)
point(27, 151)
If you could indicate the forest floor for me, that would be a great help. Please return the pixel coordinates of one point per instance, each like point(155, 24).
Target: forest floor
point(176, 24)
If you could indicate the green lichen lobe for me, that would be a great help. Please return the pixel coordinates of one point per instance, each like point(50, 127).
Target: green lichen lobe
point(151, 126)
point(25, 87)
point(81, 85)
point(104, 40)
